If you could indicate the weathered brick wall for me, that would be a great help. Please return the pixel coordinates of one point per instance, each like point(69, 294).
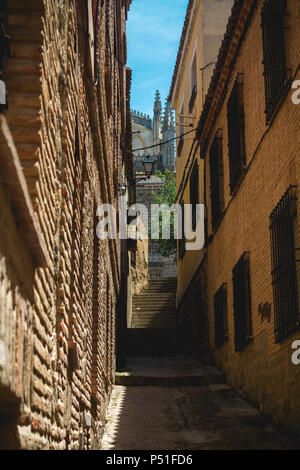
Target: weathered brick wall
point(263, 371)
point(57, 330)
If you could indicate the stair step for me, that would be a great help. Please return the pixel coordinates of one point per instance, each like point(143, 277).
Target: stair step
point(154, 290)
point(158, 300)
point(152, 324)
point(155, 308)
point(147, 295)
point(148, 381)
point(167, 304)
point(154, 317)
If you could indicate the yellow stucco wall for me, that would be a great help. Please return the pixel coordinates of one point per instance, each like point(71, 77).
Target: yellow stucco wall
point(207, 26)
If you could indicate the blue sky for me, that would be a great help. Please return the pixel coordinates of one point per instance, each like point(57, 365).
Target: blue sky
point(153, 33)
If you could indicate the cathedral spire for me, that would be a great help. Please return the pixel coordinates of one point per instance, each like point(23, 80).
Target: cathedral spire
point(168, 135)
point(168, 122)
point(157, 106)
point(157, 123)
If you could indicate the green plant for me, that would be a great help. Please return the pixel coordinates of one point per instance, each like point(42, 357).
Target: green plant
point(166, 195)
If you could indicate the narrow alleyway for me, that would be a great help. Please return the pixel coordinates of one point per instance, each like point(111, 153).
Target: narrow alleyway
point(183, 416)
point(163, 400)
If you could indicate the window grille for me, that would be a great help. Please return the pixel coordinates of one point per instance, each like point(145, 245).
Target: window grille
point(274, 54)
point(181, 130)
point(236, 133)
point(242, 303)
point(220, 307)
point(284, 272)
point(216, 179)
point(181, 241)
point(194, 193)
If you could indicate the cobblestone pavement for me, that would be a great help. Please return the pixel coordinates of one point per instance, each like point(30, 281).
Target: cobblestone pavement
point(209, 417)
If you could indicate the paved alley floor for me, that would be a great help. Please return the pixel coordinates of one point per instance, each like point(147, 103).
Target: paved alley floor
point(206, 417)
point(173, 370)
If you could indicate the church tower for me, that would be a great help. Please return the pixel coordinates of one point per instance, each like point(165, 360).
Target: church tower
point(168, 133)
point(157, 123)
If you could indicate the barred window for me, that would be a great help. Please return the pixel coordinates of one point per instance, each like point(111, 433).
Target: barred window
point(236, 133)
point(194, 193)
point(181, 241)
point(220, 307)
point(242, 303)
point(216, 179)
point(181, 131)
point(274, 61)
point(284, 272)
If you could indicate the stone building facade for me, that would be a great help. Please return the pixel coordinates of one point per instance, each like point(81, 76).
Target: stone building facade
point(149, 134)
point(242, 304)
point(148, 137)
point(63, 151)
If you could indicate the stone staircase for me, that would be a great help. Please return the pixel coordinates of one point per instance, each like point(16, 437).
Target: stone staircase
point(156, 306)
point(153, 326)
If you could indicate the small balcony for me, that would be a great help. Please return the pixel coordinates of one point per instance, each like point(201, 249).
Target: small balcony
point(193, 99)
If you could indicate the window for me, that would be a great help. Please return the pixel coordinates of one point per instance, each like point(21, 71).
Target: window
point(216, 179)
point(181, 241)
point(194, 193)
point(193, 84)
point(236, 133)
point(242, 303)
point(181, 131)
point(284, 272)
point(274, 61)
point(220, 306)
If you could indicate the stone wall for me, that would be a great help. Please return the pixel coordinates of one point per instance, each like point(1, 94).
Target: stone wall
point(66, 127)
point(138, 273)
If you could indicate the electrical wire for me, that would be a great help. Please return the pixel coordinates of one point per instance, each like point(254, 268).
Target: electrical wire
point(166, 142)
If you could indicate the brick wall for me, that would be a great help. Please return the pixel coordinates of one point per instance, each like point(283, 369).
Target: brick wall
point(263, 372)
point(57, 327)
